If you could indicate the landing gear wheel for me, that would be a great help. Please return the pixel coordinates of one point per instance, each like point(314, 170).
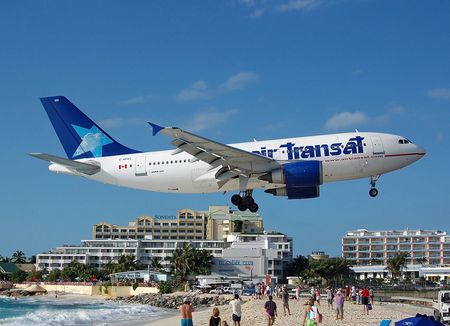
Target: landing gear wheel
point(236, 200)
point(248, 200)
point(253, 207)
point(242, 206)
point(373, 192)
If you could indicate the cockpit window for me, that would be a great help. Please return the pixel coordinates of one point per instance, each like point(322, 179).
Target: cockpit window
point(404, 141)
point(401, 141)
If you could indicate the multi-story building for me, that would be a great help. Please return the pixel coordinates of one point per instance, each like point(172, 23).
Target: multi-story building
point(365, 247)
point(98, 253)
point(215, 224)
point(256, 254)
point(186, 225)
point(224, 233)
point(223, 222)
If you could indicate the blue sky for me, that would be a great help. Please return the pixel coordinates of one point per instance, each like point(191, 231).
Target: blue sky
point(229, 70)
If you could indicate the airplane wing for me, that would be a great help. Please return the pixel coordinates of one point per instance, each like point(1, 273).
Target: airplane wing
point(84, 168)
point(216, 154)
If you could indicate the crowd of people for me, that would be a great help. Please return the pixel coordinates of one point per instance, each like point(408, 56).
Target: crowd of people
point(312, 317)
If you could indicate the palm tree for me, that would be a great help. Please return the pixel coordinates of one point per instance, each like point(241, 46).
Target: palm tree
point(204, 260)
point(156, 264)
point(182, 261)
point(127, 263)
point(397, 264)
point(19, 257)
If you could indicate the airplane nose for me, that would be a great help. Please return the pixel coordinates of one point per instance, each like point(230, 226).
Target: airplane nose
point(421, 150)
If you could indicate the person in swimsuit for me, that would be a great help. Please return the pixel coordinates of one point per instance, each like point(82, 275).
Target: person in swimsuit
point(186, 310)
point(215, 319)
point(270, 311)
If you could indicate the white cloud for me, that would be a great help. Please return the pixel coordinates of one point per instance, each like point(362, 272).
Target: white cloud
point(199, 89)
point(112, 123)
point(440, 93)
point(257, 13)
point(299, 5)
point(134, 100)
point(345, 120)
point(209, 119)
point(238, 81)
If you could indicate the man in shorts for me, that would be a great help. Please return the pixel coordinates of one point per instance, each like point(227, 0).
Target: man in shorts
point(339, 303)
point(271, 311)
point(186, 310)
point(285, 300)
point(237, 312)
point(365, 300)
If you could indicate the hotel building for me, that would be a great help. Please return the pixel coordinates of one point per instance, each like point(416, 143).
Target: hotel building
point(215, 224)
point(365, 247)
point(231, 237)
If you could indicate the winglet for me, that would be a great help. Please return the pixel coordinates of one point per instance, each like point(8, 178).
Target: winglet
point(155, 128)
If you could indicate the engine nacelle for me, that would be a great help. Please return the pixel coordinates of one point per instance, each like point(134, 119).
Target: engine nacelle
point(296, 174)
point(296, 192)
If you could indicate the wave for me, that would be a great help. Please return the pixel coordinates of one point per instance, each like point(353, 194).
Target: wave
point(80, 312)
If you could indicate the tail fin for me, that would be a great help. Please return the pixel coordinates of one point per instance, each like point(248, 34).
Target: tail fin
point(80, 136)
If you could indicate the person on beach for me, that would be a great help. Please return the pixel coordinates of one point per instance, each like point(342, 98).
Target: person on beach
point(285, 300)
point(311, 315)
point(186, 310)
point(371, 295)
point(237, 312)
point(318, 296)
point(215, 319)
point(330, 295)
point(270, 308)
point(365, 300)
point(339, 303)
point(297, 292)
point(347, 293)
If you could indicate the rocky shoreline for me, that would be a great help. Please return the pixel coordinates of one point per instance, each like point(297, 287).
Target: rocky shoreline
point(173, 301)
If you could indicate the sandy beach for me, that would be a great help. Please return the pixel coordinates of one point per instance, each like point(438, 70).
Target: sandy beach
point(252, 314)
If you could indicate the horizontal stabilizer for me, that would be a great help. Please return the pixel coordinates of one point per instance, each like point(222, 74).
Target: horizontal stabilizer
point(80, 167)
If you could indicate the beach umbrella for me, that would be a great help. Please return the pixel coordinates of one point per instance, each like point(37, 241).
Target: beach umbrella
point(418, 321)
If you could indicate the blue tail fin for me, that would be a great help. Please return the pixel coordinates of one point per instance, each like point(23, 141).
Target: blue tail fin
point(79, 135)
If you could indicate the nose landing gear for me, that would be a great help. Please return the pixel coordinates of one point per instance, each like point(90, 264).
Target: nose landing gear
point(245, 201)
point(373, 192)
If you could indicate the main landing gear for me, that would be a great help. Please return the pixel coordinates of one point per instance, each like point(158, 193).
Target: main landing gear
point(373, 192)
point(245, 201)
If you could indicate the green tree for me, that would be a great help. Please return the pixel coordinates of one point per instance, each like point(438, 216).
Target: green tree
point(34, 276)
point(19, 257)
point(54, 275)
point(18, 276)
point(332, 270)
point(182, 261)
point(203, 262)
point(298, 266)
point(156, 264)
point(127, 263)
point(397, 264)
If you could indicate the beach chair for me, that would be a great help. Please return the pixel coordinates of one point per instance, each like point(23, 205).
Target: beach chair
point(385, 322)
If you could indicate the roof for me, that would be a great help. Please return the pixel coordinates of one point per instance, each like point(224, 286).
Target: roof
point(7, 268)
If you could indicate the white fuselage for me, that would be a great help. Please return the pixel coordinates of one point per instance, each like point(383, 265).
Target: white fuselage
point(170, 171)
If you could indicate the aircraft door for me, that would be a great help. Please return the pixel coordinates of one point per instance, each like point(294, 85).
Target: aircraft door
point(140, 168)
point(377, 145)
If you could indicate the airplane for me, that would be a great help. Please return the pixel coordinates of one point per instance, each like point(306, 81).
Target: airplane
point(291, 167)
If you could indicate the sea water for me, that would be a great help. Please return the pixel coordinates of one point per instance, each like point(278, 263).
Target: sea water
point(45, 310)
